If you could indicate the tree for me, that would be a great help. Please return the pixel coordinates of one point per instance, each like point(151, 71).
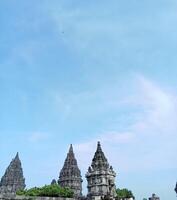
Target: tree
point(124, 193)
point(53, 190)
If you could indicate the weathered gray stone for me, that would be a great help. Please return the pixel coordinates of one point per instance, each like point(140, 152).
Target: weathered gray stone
point(53, 198)
point(100, 177)
point(70, 175)
point(33, 198)
point(13, 179)
point(154, 197)
point(53, 182)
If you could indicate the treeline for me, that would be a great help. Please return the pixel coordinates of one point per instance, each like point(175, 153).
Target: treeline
point(55, 190)
point(47, 191)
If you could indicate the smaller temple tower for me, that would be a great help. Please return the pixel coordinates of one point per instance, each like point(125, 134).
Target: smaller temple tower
point(100, 177)
point(70, 175)
point(176, 188)
point(13, 179)
point(154, 197)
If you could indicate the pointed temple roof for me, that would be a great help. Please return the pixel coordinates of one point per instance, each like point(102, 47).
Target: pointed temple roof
point(70, 175)
point(100, 177)
point(13, 179)
point(70, 164)
point(99, 159)
point(70, 167)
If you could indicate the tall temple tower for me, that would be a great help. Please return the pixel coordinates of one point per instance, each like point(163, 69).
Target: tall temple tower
point(70, 175)
point(13, 179)
point(100, 177)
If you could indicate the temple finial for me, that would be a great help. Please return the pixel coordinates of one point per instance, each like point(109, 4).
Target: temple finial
point(17, 156)
point(98, 145)
point(71, 148)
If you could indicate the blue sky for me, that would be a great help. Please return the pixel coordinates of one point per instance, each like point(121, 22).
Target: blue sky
point(82, 71)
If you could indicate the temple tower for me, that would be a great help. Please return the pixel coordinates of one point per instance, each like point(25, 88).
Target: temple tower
point(70, 175)
point(154, 197)
point(100, 177)
point(176, 188)
point(13, 179)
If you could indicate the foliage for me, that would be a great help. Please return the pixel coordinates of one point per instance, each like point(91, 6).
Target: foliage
point(47, 191)
point(124, 193)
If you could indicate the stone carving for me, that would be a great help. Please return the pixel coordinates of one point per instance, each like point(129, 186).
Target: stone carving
point(70, 175)
point(100, 177)
point(13, 179)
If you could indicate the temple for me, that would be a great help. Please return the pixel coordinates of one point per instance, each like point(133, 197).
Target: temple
point(13, 179)
point(70, 175)
point(100, 177)
point(176, 188)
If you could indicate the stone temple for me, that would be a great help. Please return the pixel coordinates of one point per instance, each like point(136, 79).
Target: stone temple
point(13, 179)
point(70, 175)
point(154, 197)
point(100, 177)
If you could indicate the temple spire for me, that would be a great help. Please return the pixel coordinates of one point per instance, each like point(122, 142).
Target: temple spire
point(100, 177)
point(71, 149)
point(17, 157)
point(70, 175)
point(99, 159)
point(99, 146)
point(13, 179)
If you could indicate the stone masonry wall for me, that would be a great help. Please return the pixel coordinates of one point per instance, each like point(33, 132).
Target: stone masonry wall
point(33, 198)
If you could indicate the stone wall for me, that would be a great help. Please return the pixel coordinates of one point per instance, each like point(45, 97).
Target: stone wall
point(32, 198)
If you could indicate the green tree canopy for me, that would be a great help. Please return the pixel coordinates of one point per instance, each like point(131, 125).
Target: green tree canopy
point(48, 190)
point(124, 193)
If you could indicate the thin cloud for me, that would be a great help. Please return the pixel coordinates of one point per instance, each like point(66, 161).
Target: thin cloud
point(159, 104)
point(141, 145)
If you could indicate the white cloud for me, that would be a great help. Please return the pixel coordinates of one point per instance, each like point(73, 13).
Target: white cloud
point(149, 142)
point(159, 104)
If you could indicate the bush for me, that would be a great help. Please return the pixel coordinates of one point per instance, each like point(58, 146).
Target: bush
point(48, 191)
point(124, 193)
